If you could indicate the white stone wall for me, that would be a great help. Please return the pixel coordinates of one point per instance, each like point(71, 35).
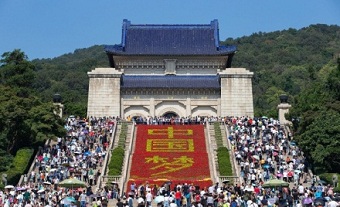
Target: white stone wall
point(236, 92)
point(104, 92)
point(106, 98)
point(158, 107)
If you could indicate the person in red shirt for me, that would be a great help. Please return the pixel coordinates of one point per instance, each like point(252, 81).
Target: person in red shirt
point(256, 190)
point(178, 197)
point(290, 175)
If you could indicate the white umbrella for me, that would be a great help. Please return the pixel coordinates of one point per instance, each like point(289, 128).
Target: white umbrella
point(12, 192)
point(53, 169)
point(47, 183)
point(41, 191)
point(9, 186)
point(140, 200)
point(249, 188)
point(159, 199)
point(256, 157)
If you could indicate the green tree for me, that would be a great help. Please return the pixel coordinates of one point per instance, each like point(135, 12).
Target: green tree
point(17, 71)
point(24, 119)
point(318, 108)
point(321, 141)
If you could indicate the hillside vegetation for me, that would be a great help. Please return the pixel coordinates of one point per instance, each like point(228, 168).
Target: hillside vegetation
point(287, 61)
point(304, 64)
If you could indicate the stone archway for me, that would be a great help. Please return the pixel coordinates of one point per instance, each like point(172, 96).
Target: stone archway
point(204, 111)
point(173, 110)
point(133, 111)
point(170, 107)
point(170, 114)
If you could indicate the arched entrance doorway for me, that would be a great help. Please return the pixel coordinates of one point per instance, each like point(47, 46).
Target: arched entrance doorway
point(170, 114)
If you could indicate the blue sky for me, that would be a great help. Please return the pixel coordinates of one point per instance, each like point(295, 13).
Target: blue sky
point(50, 28)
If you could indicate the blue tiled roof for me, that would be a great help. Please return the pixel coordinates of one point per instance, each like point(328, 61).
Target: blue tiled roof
point(170, 81)
point(196, 39)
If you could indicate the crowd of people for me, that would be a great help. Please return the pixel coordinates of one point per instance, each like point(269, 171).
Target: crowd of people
point(78, 155)
point(262, 150)
point(230, 195)
point(173, 120)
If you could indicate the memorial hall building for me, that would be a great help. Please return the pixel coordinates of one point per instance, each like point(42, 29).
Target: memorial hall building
point(170, 70)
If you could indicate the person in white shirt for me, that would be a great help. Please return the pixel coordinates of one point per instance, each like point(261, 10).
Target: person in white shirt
point(301, 190)
point(148, 198)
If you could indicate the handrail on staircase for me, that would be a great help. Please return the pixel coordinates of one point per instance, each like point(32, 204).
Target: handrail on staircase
point(212, 153)
point(47, 142)
point(111, 178)
point(237, 177)
point(127, 157)
point(107, 157)
point(223, 179)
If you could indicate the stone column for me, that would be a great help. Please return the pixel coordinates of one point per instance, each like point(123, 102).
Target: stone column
point(59, 107)
point(104, 92)
point(236, 92)
point(218, 107)
point(188, 107)
point(283, 108)
point(152, 107)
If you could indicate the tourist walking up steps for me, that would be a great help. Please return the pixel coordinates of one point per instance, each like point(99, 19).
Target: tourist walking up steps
point(79, 155)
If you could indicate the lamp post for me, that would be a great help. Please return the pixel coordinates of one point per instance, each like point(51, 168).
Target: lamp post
point(283, 98)
point(57, 98)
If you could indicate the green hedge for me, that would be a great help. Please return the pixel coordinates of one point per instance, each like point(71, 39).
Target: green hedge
point(218, 134)
point(328, 178)
point(117, 154)
point(224, 164)
point(116, 162)
point(122, 135)
point(21, 163)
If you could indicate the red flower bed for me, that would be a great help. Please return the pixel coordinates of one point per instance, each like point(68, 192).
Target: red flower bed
point(170, 152)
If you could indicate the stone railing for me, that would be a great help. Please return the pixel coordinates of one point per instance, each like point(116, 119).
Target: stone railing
point(229, 179)
point(127, 158)
point(111, 179)
point(20, 183)
point(211, 152)
point(232, 157)
point(103, 172)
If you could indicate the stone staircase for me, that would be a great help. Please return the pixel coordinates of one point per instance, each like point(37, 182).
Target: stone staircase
point(223, 141)
point(122, 137)
point(238, 168)
point(211, 144)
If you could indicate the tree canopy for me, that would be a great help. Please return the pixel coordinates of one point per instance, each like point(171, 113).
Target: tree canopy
point(24, 119)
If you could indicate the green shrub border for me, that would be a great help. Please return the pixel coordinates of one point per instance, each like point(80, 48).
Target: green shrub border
point(224, 164)
point(117, 154)
point(122, 135)
point(19, 166)
point(328, 178)
point(116, 162)
point(218, 134)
